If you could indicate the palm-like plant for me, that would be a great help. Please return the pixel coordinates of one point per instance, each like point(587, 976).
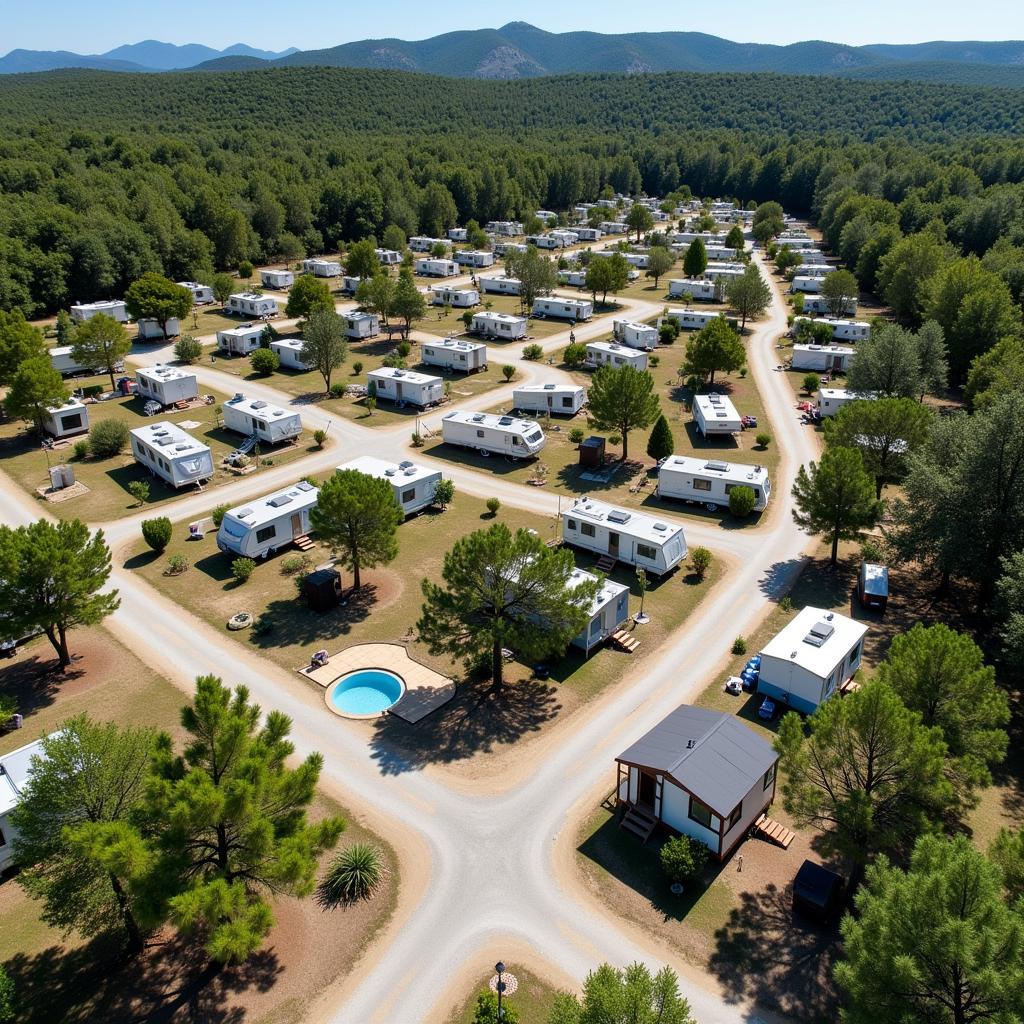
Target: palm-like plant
point(354, 874)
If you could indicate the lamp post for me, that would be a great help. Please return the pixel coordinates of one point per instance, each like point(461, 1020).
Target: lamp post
point(499, 968)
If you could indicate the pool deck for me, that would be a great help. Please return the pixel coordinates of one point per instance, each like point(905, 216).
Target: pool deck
point(425, 689)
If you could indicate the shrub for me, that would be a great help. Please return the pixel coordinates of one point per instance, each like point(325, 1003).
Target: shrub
point(444, 492)
point(403, 349)
point(508, 371)
point(337, 389)
point(739, 645)
point(575, 354)
point(576, 435)
point(187, 349)
point(264, 362)
point(354, 874)
point(811, 383)
point(176, 565)
point(871, 551)
point(786, 604)
point(319, 437)
point(763, 440)
point(217, 515)
point(533, 352)
point(157, 533)
point(371, 404)
point(668, 332)
point(493, 505)
point(107, 438)
point(741, 501)
point(357, 367)
point(615, 440)
point(700, 560)
point(242, 569)
point(80, 450)
point(743, 371)
point(417, 439)
point(245, 269)
point(683, 858)
point(292, 564)
point(654, 361)
point(139, 490)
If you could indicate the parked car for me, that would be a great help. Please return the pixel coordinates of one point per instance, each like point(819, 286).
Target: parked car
point(767, 709)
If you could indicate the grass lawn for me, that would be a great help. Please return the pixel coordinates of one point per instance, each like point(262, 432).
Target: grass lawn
point(532, 999)
point(108, 479)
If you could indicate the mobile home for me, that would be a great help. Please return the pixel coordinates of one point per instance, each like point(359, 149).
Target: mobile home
point(814, 258)
point(708, 483)
point(388, 257)
point(407, 387)
point(557, 399)
point(563, 309)
point(565, 238)
point(608, 611)
point(507, 228)
point(715, 414)
point(819, 304)
point(421, 243)
point(15, 776)
point(431, 267)
point(349, 285)
point(573, 278)
point(251, 304)
point(413, 485)
point(695, 319)
point(467, 356)
point(613, 227)
point(261, 527)
point(628, 536)
point(457, 298)
point(65, 363)
point(457, 235)
point(548, 241)
point(498, 285)
point(270, 423)
point(361, 325)
point(822, 358)
point(588, 234)
point(152, 330)
point(640, 260)
point(811, 658)
point(693, 288)
point(240, 341)
point(279, 279)
point(476, 258)
point(168, 452)
point(724, 271)
point(498, 325)
point(842, 330)
point(808, 285)
point(64, 420)
point(202, 294)
point(114, 308)
point(486, 433)
point(166, 384)
point(321, 268)
point(289, 352)
point(635, 335)
point(811, 270)
point(831, 400)
point(608, 353)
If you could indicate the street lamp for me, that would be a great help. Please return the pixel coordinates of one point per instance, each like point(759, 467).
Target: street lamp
point(499, 968)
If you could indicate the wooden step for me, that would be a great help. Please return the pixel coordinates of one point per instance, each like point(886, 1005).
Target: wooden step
point(606, 563)
point(773, 832)
point(639, 822)
point(303, 543)
point(623, 641)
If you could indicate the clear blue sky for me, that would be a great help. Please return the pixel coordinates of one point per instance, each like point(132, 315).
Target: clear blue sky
point(100, 25)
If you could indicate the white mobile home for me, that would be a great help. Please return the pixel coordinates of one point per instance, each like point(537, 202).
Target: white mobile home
point(421, 243)
point(563, 309)
point(608, 611)
point(635, 538)
point(808, 285)
point(431, 267)
point(842, 330)
point(715, 414)
point(508, 228)
point(721, 252)
point(708, 483)
point(812, 270)
point(279, 279)
point(413, 485)
point(166, 384)
point(819, 304)
point(289, 352)
point(457, 298)
point(349, 285)
point(635, 335)
point(548, 241)
point(406, 387)
point(574, 278)
point(457, 234)
point(565, 238)
point(114, 308)
point(822, 358)
point(588, 234)
point(707, 237)
point(695, 319)
point(261, 527)
point(613, 227)
point(321, 268)
point(640, 260)
point(361, 325)
point(498, 325)
point(169, 453)
point(724, 271)
point(546, 215)
point(692, 288)
point(467, 356)
point(64, 420)
point(15, 775)
point(486, 433)
point(64, 362)
point(699, 773)
point(557, 399)
point(202, 294)
point(388, 257)
point(476, 258)
point(608, 353)
point(499, 285)
point(240, 341)
point(251, 304)
point(810, 658)
point(831, 400)
point(270, 423)
point(814, 258)
point(151, 330)
point(502, 249)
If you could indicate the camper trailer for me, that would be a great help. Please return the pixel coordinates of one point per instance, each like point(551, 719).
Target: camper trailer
point(406, 387)
point(114, 308)
point(279, 279)
point(168, 452)
point(413, 485)
point(251, 304)
point(486, 433)
point(563, 309)
point(153, 330)
point(635, 335)
point(452, 354)
point(842, 330)
point(556, 399)
point(240, 341)
point(321, 268)
point(289, 352)
point(420, 243)
point(498, 285)
point(573, 278)
point(498, 325)
point(613, 227)
point(819, 304)
point(715, 414)
point(626, 535)
point(507, 228)
point(546, 241)
point(608, 611)
point(724, 272)
point(640, 260)
point(350, 285)
point(831, 400)
point(361, 325)
point(202, 294)
point(270, 423)
point(436, 268)
point(692, 288)
point(262, 527)
point(65, 420)
point(695, 319)
point(475, 258)
point(588, 234)
point(388, 257)
point(457, 298)
point(822, 358)
point(708, 483)
point(457, 234)
point(608, 353)
point(808, 285)
point(166, 384)
point(64, 362)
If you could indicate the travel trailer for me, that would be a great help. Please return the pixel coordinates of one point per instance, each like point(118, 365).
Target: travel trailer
point(608, 353)
point(628, 536)
point(803, 283)
point(635, 335)
point(831, 400)
point(457, 298)
point(498, 285)
point(289, 352)
point(261, 527)
point(819, 304)
point(413, 485)
point(153, 330)
point(361, 325)
point(557, 399)
point(822, 358)
point(563, 309)
point(498, 325)
point(486, 433)
point(715, 414)
point(467, 356)
point(457, 234)
point(279, 279)
point(350, 285)
point(166, 384)
point(388, 257)
point(65, 420)
point(842, 330)
point(608, 611)
point(321, 268)
point(407, 387)
point(114, 308)
point(15, 776)
point(240, 341)
point(695, 319)
point(724, 271)
point(436, 268)
point(476, 258)
point(420, 243)
point(251, 304)
point(573, 278)
point(588, 234)
point(270, 423)
point(507, 228)
point(708, 483)
point(694, 288)
point(64, 362)
point(202, 294)
point(168, 452)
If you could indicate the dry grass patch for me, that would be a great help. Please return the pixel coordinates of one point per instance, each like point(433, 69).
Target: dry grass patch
point(533, 998)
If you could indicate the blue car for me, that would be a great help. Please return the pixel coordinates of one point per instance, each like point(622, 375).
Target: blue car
point(767, 709)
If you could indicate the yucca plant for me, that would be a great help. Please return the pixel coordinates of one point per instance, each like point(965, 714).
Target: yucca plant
point(354, 874)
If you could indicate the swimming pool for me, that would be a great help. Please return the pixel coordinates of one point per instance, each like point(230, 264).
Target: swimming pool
point(366, 693)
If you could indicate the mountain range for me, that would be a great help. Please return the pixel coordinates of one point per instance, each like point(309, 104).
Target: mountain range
point(520, 50)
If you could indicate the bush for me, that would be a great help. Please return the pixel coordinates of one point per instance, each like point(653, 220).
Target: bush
point(493, 505)
point(139, 490)
point(763, 440)
point(871, 551)
point(176, 565)
point(157, 533)
point(187, 349)
point(80, 450)
point(292, 564)
point(508, 371)
point(403, 349)
point(575, 354)
point(683, 858)
point(739, 645)
point(357, 367)
point(533, 352)
point(654, 361)
point(668, 332)
point(371, 404)
point(811, 383)
point(319, 437)
point(743, 372)
point(576, 435)
point(417, 439)
point(245, 269)
point(700, 560)
point(264, 362)
point(108, 438)
point(741, 501)
point(337, 389)
point(614, 440)
point(444, 492)
point(242, 569)
point(218, 513)
point(786, 604)
point(354, 874)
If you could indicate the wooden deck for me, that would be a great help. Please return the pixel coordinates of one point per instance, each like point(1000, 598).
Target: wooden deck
point(773, 832)
point(623, 641)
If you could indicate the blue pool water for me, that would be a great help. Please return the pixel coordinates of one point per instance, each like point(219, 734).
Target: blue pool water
point(367, 692)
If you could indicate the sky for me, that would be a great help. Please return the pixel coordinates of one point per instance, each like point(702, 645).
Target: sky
point(100, 25)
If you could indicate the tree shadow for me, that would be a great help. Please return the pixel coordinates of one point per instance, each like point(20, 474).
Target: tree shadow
point(291, 623)
point(721, 516)
point(142, 559)
point(464, 457)
point(779, 578)
point(35, 682)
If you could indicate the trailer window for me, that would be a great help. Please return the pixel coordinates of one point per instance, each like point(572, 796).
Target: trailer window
point(570, 523)
point(769, 778)
point(701, 485)
point(535, 436)
point(479, 433)
point(587, 529)
point(234, 528)
point(645, 551)
point(267, 533)
point(409, 494)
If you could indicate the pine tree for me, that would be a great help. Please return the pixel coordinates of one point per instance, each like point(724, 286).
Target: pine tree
point(695, 262)
point(660, 444)
point(622, 399)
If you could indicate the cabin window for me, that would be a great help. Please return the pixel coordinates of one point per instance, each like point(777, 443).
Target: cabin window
point(587, 529)
point(645, 551)
point(700, 813)
point(409, 495)
point(479, 433)
point(267, 533)
point(769, 777)
point(567, 402)
point(855, 654)
point(734, 817)
point(701, 485)
point(570, 523)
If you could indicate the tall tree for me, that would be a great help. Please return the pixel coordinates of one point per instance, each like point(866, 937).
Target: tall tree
point(840, 290)
point(1010, 605)
point(639, 219)
point(715, 348)
point(377, 295)
point(660, 444)
point(306, 295)
point(19, 342)
point(887, 364)
point(537, 275)
point(935, 943)
point(931, 358)
point(835, 498)
point(622, 399)
point(35, 388)
point(101, 343)
point(503, 590)
point(998, 371)
point(748, 295)
point(407, 303)
point(735, 240)
point(695, 260)
point(358, 516)
point(660, 262)
point(324, 347)
point(155, 297)
point(905, 273)
point(223, 285)
point(362, 261)
point(631, 995)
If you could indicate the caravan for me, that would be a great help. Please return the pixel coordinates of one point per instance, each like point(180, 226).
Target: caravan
point(153, 330)
point(64, 420)
point(499, 325)
point(279, 279)
point(822, 358)
point(202, 294)
point(695, 319)
point(694, 288)
point(486, 433)
point(476, 258)
point(715, 414)
point(240, 341)
point(269, 423)
point(556, 399)
point(259, 528)
point(406, 387)
point(436, 268)
point(114, 308)
point(842, 330)
point(166, 384)
point(498, 285)
point(457, 298)
point(452, 354)
point(635, 335)
point(169, 453)
point(413, 485)
point(361, 325)
point(321, 268)
point(251, 304)
point(608, 353)
point(608, 611)
point(563, 309)
point(289, 352)
point(708, 483)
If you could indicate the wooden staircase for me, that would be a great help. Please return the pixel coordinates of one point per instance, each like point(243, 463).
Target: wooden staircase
point(773, 832)
point(606, 563)
point(623, 641)
point(639, 822)
point(303, 543)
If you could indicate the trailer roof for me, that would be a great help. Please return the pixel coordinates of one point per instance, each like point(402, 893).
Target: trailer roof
point(836, 350)
point(500, 317)
point(613, 346)
point(509, 424)
point(15, 769)
point(99, 304)
point(817, 640)
point(162, 373)
point(284, 502)
point(716, 408)
point(404, 472)
point(553, 388)
point(606, 595)
point(411, 376)
point(69, 406)
point(628, 521)
point(733, 472)
point(456, 344)
point(252, 295)
point(169, 439)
